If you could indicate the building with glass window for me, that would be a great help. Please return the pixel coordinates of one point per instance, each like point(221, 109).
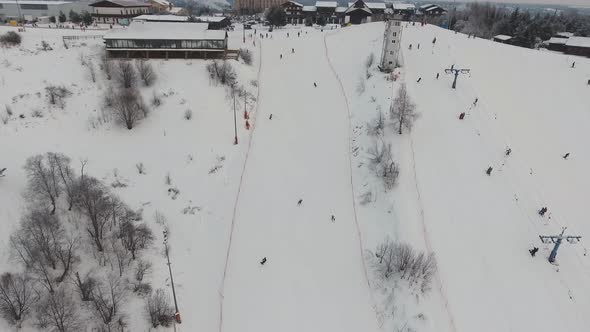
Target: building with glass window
point(166, 40)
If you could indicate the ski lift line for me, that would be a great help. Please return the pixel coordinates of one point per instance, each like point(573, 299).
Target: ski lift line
point(234, 214)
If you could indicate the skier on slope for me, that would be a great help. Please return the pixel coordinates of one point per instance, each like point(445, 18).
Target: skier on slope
point(263, 261)
point(533, 251)
point(565, 156)
point(508, 151)
point(292, 50)
point(462, 116)
point(543, 211)
point(489, 171)
point(437, 75)
point(419, 79)
point(434, 41)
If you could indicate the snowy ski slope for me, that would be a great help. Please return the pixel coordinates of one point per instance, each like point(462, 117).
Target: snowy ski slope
point(316, 278)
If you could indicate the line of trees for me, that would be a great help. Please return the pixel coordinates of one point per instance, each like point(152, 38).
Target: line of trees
point(50, 250)
point(528, 29)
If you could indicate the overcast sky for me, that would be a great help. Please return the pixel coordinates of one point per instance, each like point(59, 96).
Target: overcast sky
point(583, 3)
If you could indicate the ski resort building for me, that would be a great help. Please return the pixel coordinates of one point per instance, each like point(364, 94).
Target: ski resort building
point(505, 39)
point(255, 6)
point(214, 22)
point(166, 40)
point(294, 11)
point(577, 46)
point(432, 10)
point(329, 12)
point(118, 11)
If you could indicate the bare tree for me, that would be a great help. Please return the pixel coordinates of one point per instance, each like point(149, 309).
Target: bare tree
point(58, 312)
point(106, 65)
point(84, 285)
point(403, 111)
point(142, 269)
point(43, 181)
point(404, 258)
point(126, 75)
point(135, 236)
point(377, 126)
point(222, 73)
point(128, 108)
point(118, 255)
point(146, 72)
point(17, 296)
point(96, 203)
point(61, 163)
point(382, 164)
point(107, 300)
point(159, 309)
point(57, 94)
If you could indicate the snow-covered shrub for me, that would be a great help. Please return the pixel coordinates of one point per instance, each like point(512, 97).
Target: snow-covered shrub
point(127, 107)
point(221, 72)
point(10, 38)
point(36, 113)
point(146, 72)
point(107, 299)
point(57, 94)
point(156, 100)
point(368, 64)
point(188, 114)
point(45, 46)
point(140, 168)
point(8, 109)
point(246, 56)
point(383, 165)
point(158, 309)
point(376, 126)
point(401, 259)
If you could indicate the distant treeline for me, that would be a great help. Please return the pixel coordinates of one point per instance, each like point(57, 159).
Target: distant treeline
point(528, 30)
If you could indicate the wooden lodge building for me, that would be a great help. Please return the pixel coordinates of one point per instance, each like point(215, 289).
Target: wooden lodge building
point(330, 13)
point(118, 11)
point(166, 40)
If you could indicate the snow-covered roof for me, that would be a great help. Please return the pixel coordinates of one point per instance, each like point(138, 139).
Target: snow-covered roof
point(53, 3)
point(210, 19)
point(554, 40)
point(170, 18)
point(426, 6)
point(328, 4)
point(295, 3)
point(503, 37)
point(165, 31)
point(309, 8)
point(565, 34)
point(341, 9)
point(375, 5)
point(176, 10)
point(372, 5)
point(404, 6)
point(578, 42)
point(122, 3)
point(162, 2)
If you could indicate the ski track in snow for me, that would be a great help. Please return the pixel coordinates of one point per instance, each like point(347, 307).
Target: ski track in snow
point(235, 207)
point(356, 222)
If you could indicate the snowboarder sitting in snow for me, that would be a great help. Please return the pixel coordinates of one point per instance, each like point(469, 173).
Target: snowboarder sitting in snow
point(543, 211)
point(292, 50)
point(333, 218)
point(462, 116)
point(299, 202)
point(533, 251)
point(409, 48)
point(489, 170)
point(263, 261)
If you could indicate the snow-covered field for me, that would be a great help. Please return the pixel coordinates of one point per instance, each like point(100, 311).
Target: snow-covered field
point(319, 274)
